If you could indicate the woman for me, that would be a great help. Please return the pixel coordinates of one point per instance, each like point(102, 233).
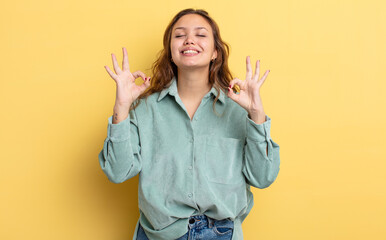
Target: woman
point(196, 145)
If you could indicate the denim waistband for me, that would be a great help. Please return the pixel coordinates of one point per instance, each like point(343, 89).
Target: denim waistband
point(205, 220)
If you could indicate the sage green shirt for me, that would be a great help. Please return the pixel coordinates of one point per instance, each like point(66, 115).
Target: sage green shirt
point(186, 167)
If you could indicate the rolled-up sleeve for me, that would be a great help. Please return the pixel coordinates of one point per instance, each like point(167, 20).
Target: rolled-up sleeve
point(120, 158)
point(260, 168)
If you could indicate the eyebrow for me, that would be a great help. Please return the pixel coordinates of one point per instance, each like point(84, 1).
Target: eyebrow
point(195, 28)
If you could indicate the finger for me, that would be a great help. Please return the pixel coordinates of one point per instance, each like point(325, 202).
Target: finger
point(249, 69)
point(115, 64)
point(112, 75)
point(125, 62)
point(264, 77)
point(140, 74)
point(238, 82)
point(257, 71)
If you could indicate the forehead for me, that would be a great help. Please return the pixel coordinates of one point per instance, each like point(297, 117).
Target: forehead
point(192, 21)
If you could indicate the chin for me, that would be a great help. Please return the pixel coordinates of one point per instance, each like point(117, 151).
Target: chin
point(192, 65)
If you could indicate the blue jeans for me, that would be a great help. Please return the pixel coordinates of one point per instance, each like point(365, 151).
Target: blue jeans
point(202, 227)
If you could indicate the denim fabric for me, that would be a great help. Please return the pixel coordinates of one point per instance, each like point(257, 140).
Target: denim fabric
point(202, 227)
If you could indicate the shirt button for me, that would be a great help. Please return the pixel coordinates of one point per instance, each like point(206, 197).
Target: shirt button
point(191, 140)
point(190, 167)
point(190, 195)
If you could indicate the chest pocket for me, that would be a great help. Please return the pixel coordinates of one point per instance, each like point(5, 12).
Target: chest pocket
point(224, 160)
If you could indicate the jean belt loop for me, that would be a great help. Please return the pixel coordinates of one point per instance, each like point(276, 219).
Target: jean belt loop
point(210, 221)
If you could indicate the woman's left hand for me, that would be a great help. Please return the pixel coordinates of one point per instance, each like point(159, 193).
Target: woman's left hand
point(249, 95)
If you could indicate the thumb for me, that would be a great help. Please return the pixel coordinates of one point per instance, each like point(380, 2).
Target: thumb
point(235, 97)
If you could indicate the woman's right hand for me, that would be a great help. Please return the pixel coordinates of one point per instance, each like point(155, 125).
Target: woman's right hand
point(126, 89)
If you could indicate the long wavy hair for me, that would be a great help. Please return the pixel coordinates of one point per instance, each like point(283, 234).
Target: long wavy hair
point(163, 69)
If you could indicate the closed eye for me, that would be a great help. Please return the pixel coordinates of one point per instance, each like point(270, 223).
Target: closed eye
point(184, 35)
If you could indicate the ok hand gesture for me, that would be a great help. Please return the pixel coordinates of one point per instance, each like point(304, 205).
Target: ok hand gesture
point(249, 96)
point(126, 89)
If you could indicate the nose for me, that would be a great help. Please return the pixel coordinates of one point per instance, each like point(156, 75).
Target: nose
point(188, 40)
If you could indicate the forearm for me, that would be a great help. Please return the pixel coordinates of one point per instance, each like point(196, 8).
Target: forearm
point(261, 170)
point(262, 157)
point(120, 157)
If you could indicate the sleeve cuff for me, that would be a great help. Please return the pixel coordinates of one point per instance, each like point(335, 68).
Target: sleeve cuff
point(120, 131)
point(259, 132)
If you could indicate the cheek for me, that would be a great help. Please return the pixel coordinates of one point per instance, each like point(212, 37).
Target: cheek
point(173, 50)
point(209, 45)
point(174, 47)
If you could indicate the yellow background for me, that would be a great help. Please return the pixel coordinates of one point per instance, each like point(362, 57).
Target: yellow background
point(325, 95)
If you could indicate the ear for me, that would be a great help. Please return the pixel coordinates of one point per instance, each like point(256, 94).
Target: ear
point(214, 54)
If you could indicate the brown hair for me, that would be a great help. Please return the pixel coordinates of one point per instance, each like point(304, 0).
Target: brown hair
point(163, 69)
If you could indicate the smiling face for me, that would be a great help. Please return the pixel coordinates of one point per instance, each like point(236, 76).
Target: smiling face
point(192, 42)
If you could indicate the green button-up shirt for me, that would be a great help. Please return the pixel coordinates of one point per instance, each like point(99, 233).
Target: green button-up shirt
point(186, 167)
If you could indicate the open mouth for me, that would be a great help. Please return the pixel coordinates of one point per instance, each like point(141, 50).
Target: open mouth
point(190, 52)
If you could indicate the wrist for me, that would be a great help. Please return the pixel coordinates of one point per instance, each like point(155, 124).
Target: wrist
point(257, 116)
point(121, 106)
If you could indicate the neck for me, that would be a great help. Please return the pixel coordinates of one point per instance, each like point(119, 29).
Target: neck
point(193, 85)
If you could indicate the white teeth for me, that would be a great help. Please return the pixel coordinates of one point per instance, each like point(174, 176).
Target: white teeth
point(190, 51)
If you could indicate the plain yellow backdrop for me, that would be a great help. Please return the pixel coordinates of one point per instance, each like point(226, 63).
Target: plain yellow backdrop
point(325, 94)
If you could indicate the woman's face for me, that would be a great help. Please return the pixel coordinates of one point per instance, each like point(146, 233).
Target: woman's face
point(192, 42)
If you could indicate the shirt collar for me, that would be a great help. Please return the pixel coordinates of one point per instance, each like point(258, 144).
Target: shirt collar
point(172, 90)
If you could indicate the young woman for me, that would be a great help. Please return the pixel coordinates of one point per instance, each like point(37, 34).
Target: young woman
point(196, 144)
